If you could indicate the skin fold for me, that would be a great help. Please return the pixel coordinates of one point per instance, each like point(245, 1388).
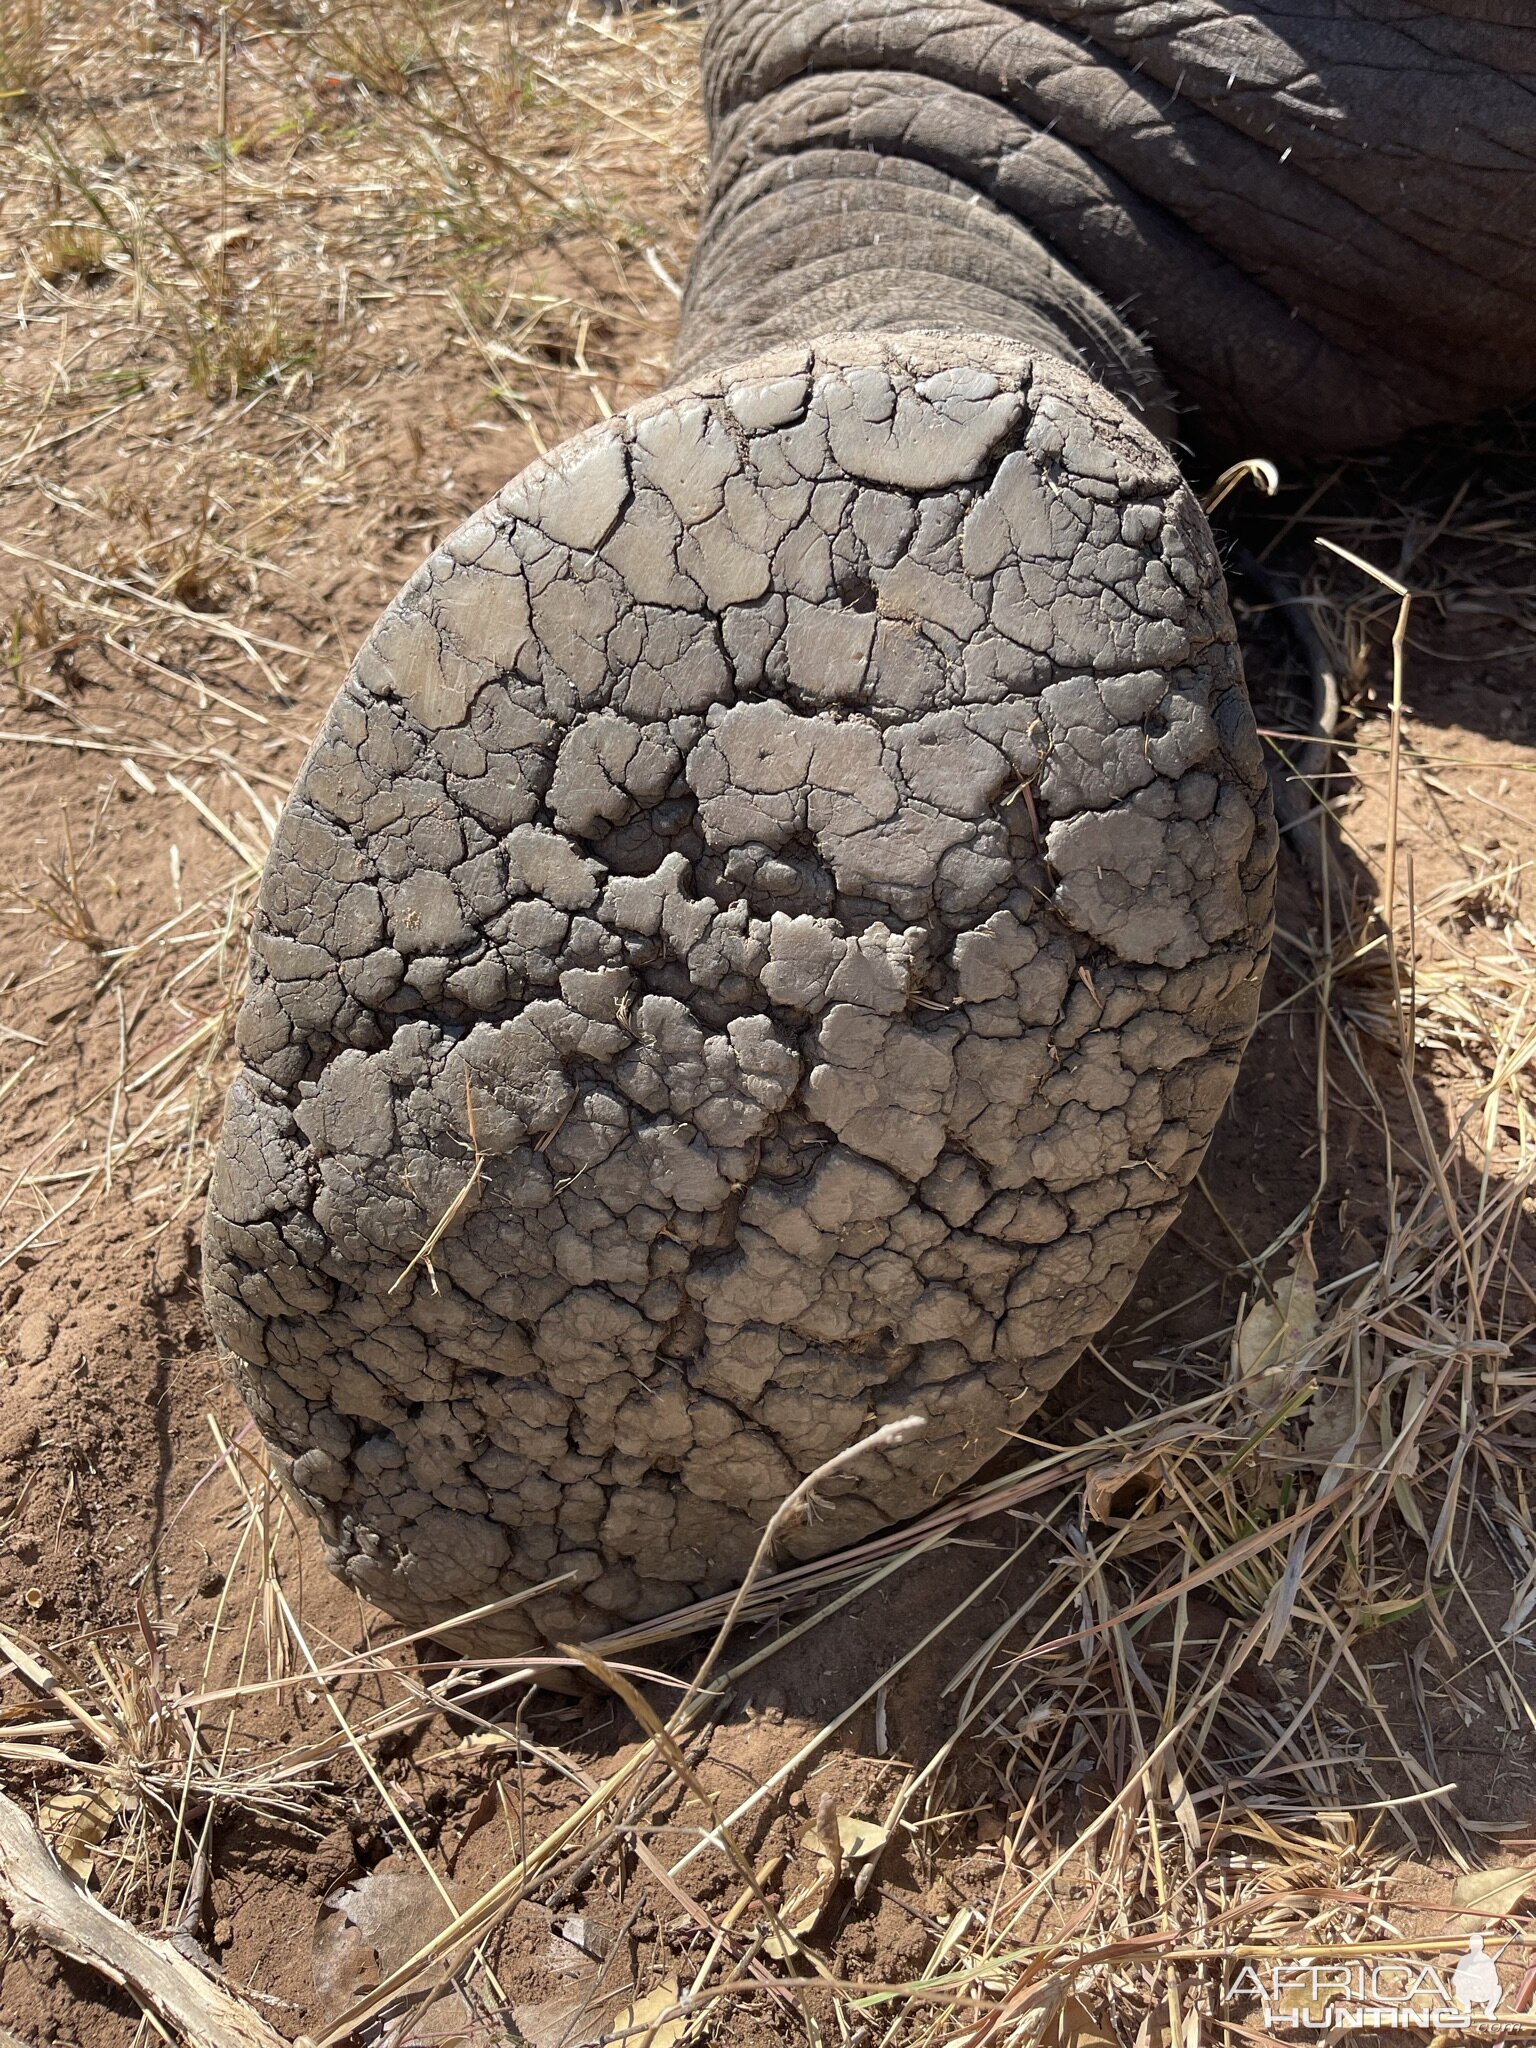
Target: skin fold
point(765, 932)
point(1318, 215)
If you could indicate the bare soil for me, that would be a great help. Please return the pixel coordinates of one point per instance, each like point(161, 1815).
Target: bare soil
point(329, 286)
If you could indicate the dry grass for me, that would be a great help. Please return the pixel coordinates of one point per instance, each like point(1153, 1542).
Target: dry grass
point(232, 355)
point(68, 250)
point(287, 219)
point(338, 256)
point(25, 68)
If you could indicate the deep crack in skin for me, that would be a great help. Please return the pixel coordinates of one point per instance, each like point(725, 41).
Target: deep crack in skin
point(775, 910)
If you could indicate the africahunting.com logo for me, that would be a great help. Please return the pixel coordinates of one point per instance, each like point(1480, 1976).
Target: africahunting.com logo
point(1385, 1993)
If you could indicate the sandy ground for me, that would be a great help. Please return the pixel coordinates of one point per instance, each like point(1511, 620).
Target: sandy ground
point(291, 293)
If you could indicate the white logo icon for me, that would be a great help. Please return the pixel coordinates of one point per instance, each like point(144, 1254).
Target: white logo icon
point(1475, 1981)
point(1323, 1996)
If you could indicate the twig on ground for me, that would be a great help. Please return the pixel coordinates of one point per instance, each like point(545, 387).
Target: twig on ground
point(48, 1903)
point(884, 1439)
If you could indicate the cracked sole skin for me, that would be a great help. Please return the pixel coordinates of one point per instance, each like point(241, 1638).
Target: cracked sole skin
point(757, 948)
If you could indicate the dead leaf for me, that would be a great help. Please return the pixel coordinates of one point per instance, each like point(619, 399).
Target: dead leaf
point(582, 1932)
point(1184, 1808)
point(1156, 2029)
point(1331, 1423)
point(1120, 1489)
point(369, 1926)
point(857, 1840)
point(1408, 1508)
point(827, 1833)
point(484, 1810)
point(1415, 1399)
point(1039, 1718)
point(857, 1837)
point(798, 1916)
point(344, 1966)
point(225, 238)
point(1274, 1333)
point(1499, 1890)
point(77, 1823)
point(664, 2033)
point(1074, 2026)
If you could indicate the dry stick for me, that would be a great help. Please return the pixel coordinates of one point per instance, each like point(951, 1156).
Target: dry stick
point(49, 1903)
point(884, 1439)
point(1395, 750)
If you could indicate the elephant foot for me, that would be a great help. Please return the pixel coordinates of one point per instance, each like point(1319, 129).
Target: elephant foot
point(757, 949)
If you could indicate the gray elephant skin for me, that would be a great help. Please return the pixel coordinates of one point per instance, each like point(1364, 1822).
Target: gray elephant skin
point(766, 930)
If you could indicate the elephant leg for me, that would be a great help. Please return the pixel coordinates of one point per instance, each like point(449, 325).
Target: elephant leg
point(1321, 217)
point(758, 946)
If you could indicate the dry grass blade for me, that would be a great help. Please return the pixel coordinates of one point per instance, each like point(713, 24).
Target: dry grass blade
point(445, 1222)
point(1395, 732)
point(473, 1922)
point(888, 1437)
point(25, 66)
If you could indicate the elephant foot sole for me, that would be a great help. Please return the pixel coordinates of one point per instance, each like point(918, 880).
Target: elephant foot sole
point(757, 950)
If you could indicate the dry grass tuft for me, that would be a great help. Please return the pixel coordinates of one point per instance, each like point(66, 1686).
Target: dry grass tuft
point(68, 250)
point(229, 356)
point(25, 64)
point(374, 45)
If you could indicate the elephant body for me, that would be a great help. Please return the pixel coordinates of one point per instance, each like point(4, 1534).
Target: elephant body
point(765, 933)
